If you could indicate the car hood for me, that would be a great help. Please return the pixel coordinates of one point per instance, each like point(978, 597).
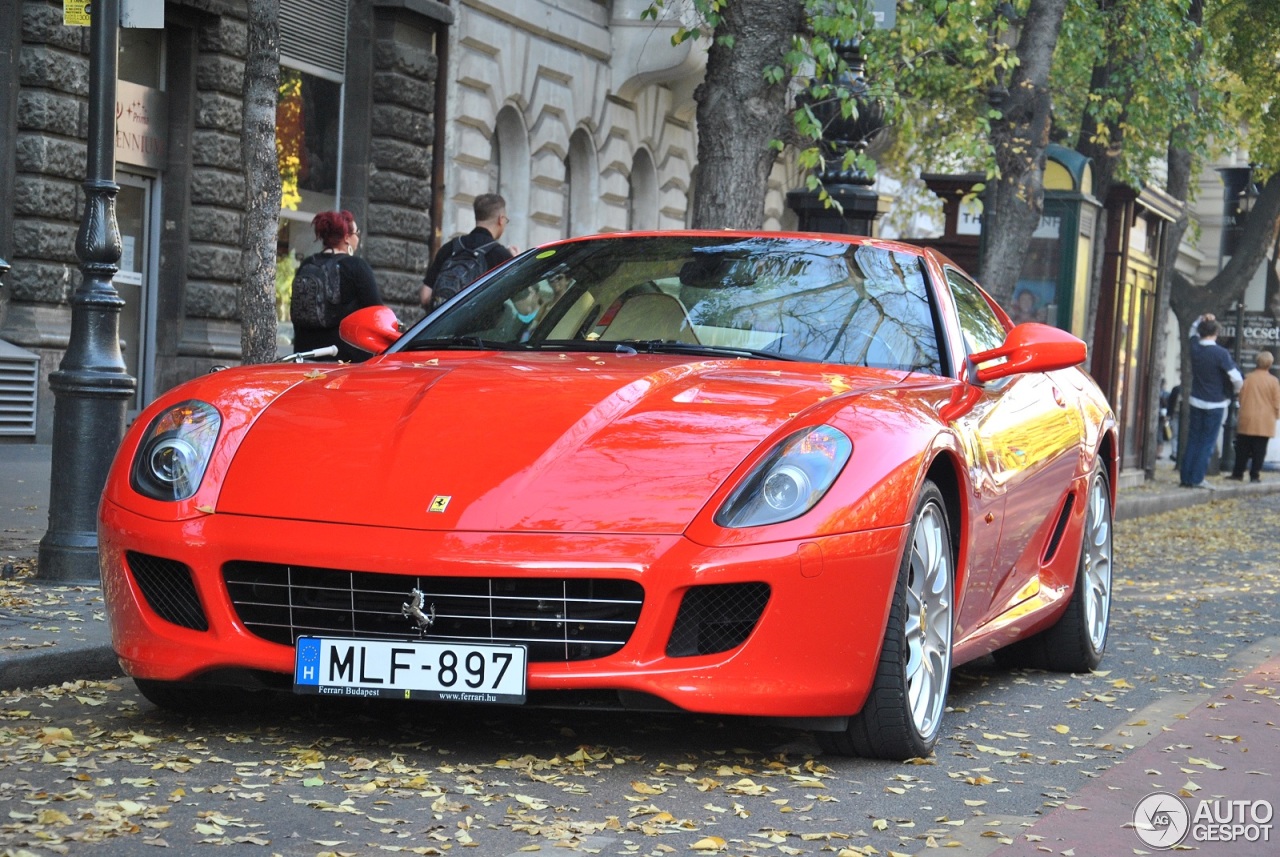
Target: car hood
point(506, 442)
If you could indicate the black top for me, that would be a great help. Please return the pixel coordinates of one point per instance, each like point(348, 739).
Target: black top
point(1211, 367)
point(359, 290)
point(494, 256)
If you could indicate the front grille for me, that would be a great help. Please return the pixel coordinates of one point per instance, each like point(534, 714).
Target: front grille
point(169, 589)
point(716, 618)
point(559, 619)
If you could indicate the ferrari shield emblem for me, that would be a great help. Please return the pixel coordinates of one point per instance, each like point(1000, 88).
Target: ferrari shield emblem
point(439, 503)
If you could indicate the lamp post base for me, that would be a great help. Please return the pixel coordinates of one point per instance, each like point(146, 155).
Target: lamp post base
point(860, 206)
point(69, 557)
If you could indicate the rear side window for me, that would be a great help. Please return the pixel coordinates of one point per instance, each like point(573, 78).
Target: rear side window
point(979, 324)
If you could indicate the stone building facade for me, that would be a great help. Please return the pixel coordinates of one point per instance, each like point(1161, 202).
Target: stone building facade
point(369, 75)
point(580, 112)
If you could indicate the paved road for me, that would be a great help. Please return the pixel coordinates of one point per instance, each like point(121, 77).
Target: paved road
point(1028, 762)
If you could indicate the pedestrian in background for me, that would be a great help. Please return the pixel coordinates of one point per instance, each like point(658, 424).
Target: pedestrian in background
point(464, 259)
point(1214, 380)
point(329, 300)
point(1259, 411)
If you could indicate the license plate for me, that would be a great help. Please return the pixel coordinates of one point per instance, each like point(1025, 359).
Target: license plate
point(410, 669)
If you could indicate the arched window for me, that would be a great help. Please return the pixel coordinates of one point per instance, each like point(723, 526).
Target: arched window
point(510, 159)
point(581, 185)
point(643, 202)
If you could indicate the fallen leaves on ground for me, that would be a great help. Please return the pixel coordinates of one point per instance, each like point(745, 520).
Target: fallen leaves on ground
point(1015, 742)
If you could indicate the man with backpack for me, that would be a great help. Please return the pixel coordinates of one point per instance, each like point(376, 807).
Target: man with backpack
point(462, 260)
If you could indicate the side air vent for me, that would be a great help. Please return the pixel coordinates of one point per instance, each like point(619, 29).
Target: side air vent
point(1051, 549)
point(169, 589)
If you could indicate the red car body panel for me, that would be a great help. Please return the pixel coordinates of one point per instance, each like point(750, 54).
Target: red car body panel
point(603, 465)
point(767, 676)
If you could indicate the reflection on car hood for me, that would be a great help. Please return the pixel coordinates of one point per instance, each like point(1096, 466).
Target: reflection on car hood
point(511, 442)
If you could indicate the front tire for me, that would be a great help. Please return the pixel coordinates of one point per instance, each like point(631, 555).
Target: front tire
point(1076, 642)
point(902, 716)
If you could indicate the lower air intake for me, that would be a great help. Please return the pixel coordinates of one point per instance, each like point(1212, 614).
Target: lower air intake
point(716, 618)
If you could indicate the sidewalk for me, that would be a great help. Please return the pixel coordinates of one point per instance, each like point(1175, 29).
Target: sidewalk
point(1206, 772)
point(48, 634)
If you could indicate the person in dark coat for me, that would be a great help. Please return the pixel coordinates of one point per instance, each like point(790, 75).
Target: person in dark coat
point(338, 232)
point(1214, 380)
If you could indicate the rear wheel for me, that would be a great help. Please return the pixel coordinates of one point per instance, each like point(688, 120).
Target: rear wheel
point(902, 716)
point(1075, 642)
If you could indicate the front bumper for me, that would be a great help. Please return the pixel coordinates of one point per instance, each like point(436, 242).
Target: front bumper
point(812, 653)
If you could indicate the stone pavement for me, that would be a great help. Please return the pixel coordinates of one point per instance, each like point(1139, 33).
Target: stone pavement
point(1206, 782)
point(1227, 748)
point(48, 634)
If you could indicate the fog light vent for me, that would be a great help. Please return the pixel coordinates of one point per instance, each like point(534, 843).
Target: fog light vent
point(169, 589)
point(716, 618)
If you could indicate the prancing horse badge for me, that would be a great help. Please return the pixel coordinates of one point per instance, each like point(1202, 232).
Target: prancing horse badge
point(439, 503)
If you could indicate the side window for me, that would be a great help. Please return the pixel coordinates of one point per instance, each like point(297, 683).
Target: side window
point(979, 324)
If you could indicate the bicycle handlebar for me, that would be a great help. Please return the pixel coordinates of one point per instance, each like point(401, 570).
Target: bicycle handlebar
point(313, 354)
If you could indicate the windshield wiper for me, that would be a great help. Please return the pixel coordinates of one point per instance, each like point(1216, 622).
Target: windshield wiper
point(672, 346)
point(464, 341)
point(582, 345)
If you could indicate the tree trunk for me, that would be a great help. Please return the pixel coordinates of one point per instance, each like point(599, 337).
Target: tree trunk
point(262, 184)
point(1020, 138)
point(739, 113)
point(1189, 301)
point(1105, 158)
point(1178, 186)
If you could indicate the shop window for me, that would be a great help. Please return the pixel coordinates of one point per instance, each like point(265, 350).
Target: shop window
point(308, 138)
point(140, 56)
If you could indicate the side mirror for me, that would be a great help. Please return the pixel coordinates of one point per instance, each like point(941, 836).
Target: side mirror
point(373, 328)
point(1030, 347)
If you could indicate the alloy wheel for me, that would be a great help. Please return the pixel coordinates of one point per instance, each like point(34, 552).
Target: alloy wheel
point(930, 608)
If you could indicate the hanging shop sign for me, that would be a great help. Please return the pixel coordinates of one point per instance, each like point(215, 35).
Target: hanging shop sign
point(141, 117)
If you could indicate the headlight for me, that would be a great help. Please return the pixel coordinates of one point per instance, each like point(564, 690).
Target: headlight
point(790, 480)
point(175, 451)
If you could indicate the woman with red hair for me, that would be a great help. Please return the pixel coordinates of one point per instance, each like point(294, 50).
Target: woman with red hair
point(357, 288)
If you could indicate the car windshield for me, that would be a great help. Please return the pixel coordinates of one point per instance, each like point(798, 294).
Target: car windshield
point(783, 298)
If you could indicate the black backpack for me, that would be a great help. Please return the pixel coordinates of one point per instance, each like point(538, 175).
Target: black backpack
point(463, 267)
point(317, 293)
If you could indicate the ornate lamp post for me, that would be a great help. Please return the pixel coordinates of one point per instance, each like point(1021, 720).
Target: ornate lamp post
point(859, 205)
point(91, 388)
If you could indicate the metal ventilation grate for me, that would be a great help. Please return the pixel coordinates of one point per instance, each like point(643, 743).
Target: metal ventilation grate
point(559, 619)
point(19, 380)
point(314, 33)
